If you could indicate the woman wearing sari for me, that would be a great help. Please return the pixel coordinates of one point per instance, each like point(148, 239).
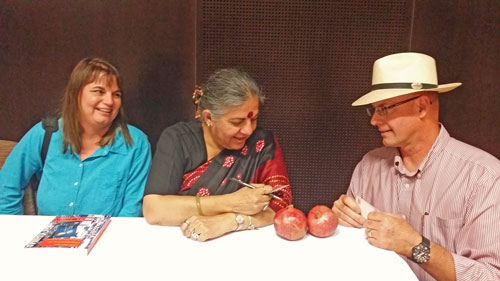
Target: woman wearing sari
point(191, 180)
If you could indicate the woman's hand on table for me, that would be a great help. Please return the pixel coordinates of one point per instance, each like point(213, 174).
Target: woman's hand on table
point(202, 228)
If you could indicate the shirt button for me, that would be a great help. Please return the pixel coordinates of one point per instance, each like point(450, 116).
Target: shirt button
point(71, 204)
point(407, 186)
point(81, 165)
point(75, 184)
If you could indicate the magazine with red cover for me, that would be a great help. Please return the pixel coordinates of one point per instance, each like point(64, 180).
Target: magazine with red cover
point(78, 232)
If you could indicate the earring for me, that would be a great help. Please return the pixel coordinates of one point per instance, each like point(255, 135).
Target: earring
point(209, 124)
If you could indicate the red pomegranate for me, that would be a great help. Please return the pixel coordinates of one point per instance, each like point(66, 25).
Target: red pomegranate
point(290, 223)
point(322, 221)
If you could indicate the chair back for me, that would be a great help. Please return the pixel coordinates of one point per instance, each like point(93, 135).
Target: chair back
point(6, 147)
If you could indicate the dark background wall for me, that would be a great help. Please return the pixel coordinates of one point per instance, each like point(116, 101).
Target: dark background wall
point(313, 59)
point(151, 42)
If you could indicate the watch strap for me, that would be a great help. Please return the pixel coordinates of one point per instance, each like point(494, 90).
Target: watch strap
point(422, 252)
point(426, 242)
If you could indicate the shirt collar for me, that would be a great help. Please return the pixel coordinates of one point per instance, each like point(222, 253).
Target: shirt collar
point(118, 147)
point(434, 152)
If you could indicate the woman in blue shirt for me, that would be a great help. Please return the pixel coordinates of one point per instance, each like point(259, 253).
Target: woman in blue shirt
point(95, 164)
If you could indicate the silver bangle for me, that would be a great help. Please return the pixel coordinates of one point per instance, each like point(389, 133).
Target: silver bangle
point(239, 221)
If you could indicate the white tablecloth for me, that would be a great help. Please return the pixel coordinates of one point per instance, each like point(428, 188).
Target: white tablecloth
point(130, 249)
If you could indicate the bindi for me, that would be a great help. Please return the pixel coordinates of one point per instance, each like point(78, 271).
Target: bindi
point(250, 114)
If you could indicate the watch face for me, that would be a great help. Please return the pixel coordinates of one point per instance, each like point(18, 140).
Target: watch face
point(421, 253)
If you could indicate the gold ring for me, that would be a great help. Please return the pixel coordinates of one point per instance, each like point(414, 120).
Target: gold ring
point(369, 234)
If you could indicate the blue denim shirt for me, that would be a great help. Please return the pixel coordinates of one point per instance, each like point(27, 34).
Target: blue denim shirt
point(110, 182)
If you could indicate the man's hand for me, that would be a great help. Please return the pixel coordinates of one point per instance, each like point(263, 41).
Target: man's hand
point(348, 211)
point(391, 232)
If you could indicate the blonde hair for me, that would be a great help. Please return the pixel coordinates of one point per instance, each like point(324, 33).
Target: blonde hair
point(87, 71)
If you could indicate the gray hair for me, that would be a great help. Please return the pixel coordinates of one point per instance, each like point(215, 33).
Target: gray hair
point(227, 88)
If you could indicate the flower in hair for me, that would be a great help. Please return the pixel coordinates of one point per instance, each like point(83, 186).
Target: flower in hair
point(197, 94)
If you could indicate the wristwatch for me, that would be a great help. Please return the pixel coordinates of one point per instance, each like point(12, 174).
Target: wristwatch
point(239, 220)
point(422, 252)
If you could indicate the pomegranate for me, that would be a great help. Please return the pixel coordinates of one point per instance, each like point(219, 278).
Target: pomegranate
point(322, 221)
point(290, 223)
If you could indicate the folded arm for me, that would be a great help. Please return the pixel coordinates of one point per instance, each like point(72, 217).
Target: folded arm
point(174, 209)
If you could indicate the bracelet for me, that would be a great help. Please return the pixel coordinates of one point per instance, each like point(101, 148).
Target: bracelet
point(250, 224)
point(240, 220)
point(198, 205)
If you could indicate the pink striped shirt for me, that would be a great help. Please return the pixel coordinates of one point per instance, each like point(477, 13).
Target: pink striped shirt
point(453, 199)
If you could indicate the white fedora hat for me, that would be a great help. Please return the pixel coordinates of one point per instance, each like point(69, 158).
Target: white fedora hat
point(401, 74)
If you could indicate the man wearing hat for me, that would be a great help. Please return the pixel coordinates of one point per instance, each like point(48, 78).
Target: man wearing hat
point(436, 200)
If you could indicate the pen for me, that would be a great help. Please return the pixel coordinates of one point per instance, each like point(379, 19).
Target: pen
point(253, 187)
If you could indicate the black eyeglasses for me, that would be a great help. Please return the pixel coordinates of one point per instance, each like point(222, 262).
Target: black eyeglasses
point(382, 110)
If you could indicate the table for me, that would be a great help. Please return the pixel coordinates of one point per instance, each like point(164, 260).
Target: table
point(131, 249)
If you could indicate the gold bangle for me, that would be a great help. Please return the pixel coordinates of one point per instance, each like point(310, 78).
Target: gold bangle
point(198, 205)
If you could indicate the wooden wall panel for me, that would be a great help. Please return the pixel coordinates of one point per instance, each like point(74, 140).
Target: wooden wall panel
point(313, 58)
point(152, 44)
point(464, 37)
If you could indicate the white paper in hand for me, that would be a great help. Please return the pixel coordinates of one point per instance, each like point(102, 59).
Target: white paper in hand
point(365, 207)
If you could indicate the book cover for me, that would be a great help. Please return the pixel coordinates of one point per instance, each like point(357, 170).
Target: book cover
point(78, 232)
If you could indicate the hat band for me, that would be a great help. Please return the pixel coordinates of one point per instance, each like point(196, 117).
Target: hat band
point(415, 86)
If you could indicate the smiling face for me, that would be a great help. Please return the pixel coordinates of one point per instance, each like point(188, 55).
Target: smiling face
point(398, 128)
point(232, 129)
point(99, 103)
